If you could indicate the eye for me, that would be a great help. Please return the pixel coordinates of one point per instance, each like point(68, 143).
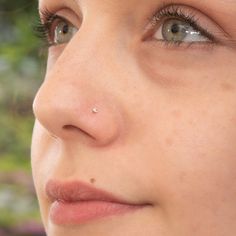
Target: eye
point(177, 31)
point(61, 31)
point(178, 24)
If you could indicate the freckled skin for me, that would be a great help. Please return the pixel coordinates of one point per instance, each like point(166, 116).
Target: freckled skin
point(169, 142)
point(176, 113)
point(227, 87)
point(164, 133)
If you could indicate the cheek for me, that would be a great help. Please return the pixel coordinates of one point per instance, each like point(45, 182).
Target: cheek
point(194, 129)
point(203, 139)
point(192, 172)
point(199, 157)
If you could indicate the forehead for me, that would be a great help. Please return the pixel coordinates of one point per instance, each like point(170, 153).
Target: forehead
point(217, 5)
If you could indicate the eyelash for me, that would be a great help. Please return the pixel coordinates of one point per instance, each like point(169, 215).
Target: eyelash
point(43, 29)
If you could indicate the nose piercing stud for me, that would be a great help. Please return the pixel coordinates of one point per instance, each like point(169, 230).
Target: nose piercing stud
point(94, 110)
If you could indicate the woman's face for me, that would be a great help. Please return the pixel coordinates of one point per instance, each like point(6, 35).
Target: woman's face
point(139, 100)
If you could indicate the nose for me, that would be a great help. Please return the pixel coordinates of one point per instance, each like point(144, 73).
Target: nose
point(73, 103)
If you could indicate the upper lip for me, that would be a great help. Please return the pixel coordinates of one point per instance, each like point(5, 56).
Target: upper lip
point(75, 191)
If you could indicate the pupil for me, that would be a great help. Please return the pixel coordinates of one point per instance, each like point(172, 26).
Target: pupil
point(175, 29)
point(65, 29)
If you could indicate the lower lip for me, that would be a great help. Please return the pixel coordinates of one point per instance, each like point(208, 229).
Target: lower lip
point(75, 213)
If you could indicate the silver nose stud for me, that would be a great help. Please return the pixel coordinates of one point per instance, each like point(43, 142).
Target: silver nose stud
point(94, 110)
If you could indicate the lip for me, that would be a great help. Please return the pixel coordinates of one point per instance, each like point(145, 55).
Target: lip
point(75, 203)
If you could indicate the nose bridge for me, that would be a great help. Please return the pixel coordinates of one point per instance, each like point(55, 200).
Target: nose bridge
point(90, 52)
point(74, 100)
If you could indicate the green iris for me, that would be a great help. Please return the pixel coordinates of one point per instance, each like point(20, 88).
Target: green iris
point(64, 31)
point(176, 30)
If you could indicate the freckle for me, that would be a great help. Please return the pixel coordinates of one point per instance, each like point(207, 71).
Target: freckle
point(169, 142)
point(233, 120)
point(176, 113)
point(182, 176)
point(227, 87)
point(92, 180)
point(191, 122)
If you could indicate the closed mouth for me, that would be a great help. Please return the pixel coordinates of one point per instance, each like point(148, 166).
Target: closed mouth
point(78, 203)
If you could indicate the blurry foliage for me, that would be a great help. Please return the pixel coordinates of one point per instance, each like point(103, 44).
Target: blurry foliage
point(21, 72)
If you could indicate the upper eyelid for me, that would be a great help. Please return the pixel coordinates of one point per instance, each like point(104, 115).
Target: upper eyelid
point(67, 14)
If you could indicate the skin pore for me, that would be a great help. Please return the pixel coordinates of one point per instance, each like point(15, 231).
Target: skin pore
point(165, 131)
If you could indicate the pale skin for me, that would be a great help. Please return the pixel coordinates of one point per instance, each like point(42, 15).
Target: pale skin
point(165, 130)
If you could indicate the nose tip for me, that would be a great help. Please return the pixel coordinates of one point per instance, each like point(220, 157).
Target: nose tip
point(76, 116)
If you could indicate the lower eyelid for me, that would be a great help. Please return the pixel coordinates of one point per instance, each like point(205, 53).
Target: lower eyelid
point(183, 46)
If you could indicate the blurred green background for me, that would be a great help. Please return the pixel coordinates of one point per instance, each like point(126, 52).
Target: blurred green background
point(21, 72)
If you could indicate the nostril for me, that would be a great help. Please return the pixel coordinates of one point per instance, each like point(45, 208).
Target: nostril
point(69, 127)
point(72, 128)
